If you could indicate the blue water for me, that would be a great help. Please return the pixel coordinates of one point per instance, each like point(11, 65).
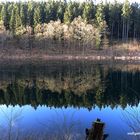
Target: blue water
point(42, 118)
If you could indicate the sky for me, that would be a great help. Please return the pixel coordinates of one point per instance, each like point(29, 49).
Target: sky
point(131, 1)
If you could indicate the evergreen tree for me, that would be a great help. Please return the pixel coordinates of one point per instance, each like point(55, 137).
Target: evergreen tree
point(52, 10)
point(100, 16)
point(13, 21)
point(60, 11)
point(134, 20)
point(5, 16)
point(88, 11)
point(68, 13)
point(42, 12)
point(24, 14)
point(112, 15)
point(18, 18)
point(37, 16)
point(31, 15)
point(0, 12)
point(126, 10)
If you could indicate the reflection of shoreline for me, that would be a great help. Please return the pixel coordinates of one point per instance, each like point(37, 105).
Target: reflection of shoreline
point(97, 56)
point(37, 65)
point(69, 84)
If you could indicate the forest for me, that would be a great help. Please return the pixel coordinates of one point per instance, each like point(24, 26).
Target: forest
point(62, 20)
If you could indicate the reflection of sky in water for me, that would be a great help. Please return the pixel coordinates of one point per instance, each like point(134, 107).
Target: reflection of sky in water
point(32, 119)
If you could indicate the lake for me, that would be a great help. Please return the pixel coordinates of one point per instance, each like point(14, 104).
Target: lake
point(58, 100)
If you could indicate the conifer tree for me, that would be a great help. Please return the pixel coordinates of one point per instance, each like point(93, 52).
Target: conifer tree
point(24, 14)
point(31, 15)
point(88, 11)
point(5, 16)
point(126, 10)
point(37, 16)
point(13, 21)
point(18, 18)
point(68, 14)
point(100, 16)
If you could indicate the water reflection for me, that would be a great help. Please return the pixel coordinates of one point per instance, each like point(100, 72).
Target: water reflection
point(44, 90)
point(60, 125)
point(65, 84)
point(131, 117)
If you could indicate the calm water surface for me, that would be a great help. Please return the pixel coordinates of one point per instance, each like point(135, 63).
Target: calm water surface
point(58, 100)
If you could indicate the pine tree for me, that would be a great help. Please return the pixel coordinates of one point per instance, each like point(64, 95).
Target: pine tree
point(37, 16)
point(0, 12)
point(52, 9)
point(24, 14)
point(88, 11)
point(13, 21)
point(60, 11)
point(100, 16)
point(100, 23)
point(5, 16)
point(18, 18)
point(126, 10)
point(42, 13)
point(112, 15)
point(68, 14)
point(135, 20)
point(31, 15)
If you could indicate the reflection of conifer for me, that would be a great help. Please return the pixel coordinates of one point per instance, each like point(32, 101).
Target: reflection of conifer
point(87, 87)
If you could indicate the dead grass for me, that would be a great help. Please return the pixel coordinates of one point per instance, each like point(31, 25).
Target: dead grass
point(131, 45)
point(129, 50)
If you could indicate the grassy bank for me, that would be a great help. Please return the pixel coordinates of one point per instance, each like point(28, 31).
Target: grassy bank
point(40, 50)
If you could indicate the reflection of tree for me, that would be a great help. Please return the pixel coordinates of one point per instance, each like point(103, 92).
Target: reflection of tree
point(123, 101)
point(11, 94)
point(2, 96)
point(123, 88)
point(99, 96)
point(72, 84)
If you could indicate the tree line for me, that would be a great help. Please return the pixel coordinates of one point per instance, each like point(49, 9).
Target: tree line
point(120, 20)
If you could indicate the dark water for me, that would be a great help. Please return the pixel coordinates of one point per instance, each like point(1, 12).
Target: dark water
point(58, 100)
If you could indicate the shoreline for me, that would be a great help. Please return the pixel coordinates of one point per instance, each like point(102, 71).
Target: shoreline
point(47, 57)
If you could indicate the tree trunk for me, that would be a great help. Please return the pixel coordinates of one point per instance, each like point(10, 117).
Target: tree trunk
point(118, 30)
point(123, 31)
point(127, 29)
point(125, 36)
point(134, 33)
point(112, 30)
